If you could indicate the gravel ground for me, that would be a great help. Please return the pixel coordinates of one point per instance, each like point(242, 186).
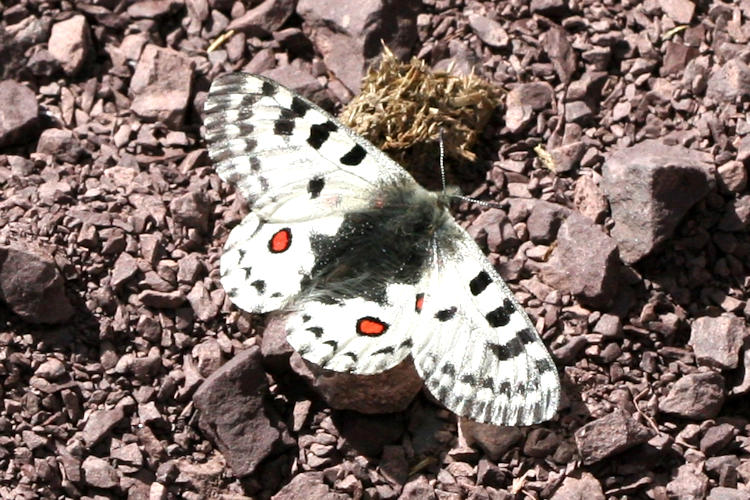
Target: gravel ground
point(618, 160)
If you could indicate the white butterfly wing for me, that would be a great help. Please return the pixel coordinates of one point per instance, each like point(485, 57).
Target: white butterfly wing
point(476, 349)
point(357, 335)
point(264, 265)
point(290, 158)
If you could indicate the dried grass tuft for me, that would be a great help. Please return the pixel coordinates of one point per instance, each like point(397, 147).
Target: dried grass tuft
point(403, 106)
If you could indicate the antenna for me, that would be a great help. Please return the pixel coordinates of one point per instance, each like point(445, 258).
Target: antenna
point(442, 157)
point(482, 203)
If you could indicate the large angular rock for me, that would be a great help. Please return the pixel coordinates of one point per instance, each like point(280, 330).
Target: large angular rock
point(265, 18)
point(349, 35)
point(19, 113)
point(717, 341)
point(586, 486)
point(234, 412)
point(650, 187)
point(696, 396)
point(161, 85)
point(308, 486)
point(32, 286)
point(729, 82)
point(585, 262)
point(609, 435)
point(70, 43)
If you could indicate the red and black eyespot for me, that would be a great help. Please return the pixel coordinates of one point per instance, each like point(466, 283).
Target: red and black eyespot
point(419, 302)
point(280, 241)
point(372, 327)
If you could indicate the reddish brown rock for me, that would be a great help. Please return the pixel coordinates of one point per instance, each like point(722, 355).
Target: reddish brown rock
point(234, 412)
point(99, 474)
point(308, 486)
point(610, 435)
point(523, 100)
point(19, 113)
point(161, 85)
point(32, 286)
point(695, 396)
point(681, 11)
point(266, 17)
point(584, 263)
point(717, 341)
point(579, 486)
point(489, 31)
point(70, 43)
point(730, 82)
point(688, 482)
point(650, 187)
point(348, 35)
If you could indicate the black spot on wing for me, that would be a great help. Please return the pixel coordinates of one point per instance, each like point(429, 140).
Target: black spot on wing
point(315, 186)
point(406, 343)
point(275, 295)
point(320, 132)
point(259, 285)
point(510, 350)
point(385, 350)
point(526, 335)
point(448, 369)
point(299, 106)
point(248, 271)
point(354, 156)
point(283, 126)
point(353, 356)
point(446, 314)
point(334, 345)
point(479, 283)
point(316, 330)
point(306, 318)
point(254, 164)
point(468, 379)
point(268, 89)
point(501, 316)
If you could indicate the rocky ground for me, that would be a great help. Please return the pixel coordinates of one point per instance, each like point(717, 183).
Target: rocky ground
point(618, 158)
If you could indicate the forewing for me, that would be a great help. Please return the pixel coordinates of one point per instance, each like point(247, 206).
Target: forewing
point(289, 157)
point(476, 349)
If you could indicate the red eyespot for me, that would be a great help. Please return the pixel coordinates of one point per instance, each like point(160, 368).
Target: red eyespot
point(371, 326)
point(280, 241)
point(419, 302)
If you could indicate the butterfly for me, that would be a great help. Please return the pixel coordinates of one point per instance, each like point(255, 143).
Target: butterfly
point(369, 266)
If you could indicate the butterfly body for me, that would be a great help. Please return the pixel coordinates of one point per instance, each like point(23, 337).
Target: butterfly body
point(369, 266)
